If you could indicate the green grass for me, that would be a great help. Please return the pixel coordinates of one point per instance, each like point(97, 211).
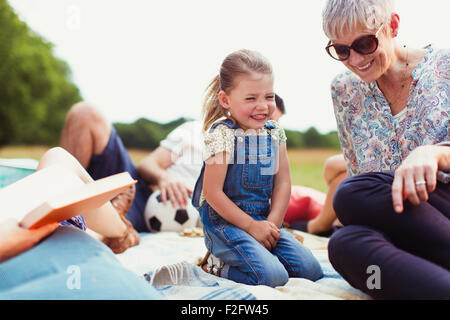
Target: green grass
point(309, 175)
point(306, 164)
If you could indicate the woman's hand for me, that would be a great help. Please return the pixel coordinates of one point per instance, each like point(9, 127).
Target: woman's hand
point(15, 240)
point(415, 177)
point(265, 232)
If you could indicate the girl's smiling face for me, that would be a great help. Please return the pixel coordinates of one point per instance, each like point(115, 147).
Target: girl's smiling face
point(251, 101)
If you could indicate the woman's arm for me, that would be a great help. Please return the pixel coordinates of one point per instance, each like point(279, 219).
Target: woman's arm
point(281, 189)
point(421, 165)
point(214, 176)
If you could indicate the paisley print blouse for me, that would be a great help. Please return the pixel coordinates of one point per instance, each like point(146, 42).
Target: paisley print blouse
point(372, 139)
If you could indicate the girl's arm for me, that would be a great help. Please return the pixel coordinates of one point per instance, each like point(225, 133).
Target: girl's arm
point(214, 176)
point(281, 189)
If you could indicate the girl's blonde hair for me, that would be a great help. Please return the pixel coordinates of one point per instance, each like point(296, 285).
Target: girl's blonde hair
point(242, 62)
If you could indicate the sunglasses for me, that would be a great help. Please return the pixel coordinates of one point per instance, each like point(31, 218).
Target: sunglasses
point(363, 45)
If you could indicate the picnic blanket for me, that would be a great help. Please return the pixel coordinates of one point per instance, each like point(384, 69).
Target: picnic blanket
point(168, 261)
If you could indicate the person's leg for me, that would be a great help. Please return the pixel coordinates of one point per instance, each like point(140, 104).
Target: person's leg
point(324, 221)
point(94, 143)
point(370, 262)
point(334, 173)
point(104, 220)
point(70, 264)
point(298, 260)
point(421, 230)
point(85, 133)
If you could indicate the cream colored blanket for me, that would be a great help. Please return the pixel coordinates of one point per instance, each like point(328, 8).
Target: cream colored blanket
point(168, 260)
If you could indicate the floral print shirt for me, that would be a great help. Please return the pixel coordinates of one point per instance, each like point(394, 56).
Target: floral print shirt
point(372, 139)
point(221, 139)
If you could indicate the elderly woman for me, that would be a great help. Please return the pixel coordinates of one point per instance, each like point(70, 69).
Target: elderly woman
point(392, 112)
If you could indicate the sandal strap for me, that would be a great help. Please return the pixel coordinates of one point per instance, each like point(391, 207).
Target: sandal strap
point(213, 264)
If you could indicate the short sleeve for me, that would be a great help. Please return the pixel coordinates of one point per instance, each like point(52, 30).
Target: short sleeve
point(185, 137)
point(219, 139)
point(174, 139)
point(277, 132)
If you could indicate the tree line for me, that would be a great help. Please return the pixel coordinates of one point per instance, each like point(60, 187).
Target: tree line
point(36, 87)
point(37, 90)
point(146, 134)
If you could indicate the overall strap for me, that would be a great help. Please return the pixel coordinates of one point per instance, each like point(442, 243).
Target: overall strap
point(226, 122)
point(199, 184)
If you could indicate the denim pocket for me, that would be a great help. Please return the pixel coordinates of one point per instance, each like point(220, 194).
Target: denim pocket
point(257, 171)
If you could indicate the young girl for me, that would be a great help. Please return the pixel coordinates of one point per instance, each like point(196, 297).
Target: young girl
point(244, 187)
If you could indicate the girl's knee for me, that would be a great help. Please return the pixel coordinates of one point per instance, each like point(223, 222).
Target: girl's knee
point(297, 259)
point(273, 278)
point(271, 273)
point(313, 271)
point(308, 268)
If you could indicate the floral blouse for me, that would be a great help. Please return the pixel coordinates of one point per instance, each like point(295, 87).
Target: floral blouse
point(221, 139)
point(372, 139)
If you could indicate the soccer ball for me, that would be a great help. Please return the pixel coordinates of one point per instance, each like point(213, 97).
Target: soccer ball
point(163, 217)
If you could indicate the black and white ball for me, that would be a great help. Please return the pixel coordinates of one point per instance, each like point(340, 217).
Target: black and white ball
point(163, 217)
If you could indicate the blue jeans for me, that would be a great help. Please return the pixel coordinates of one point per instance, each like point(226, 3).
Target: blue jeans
point(70, 264)
point(249, 262)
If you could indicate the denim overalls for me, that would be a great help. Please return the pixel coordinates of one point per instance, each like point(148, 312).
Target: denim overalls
point(248, 183)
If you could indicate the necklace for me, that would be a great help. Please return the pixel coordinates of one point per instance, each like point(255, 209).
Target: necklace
point(406, 67)
point(403, 81)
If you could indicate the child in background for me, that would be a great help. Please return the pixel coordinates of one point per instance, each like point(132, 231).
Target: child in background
point(243, 190)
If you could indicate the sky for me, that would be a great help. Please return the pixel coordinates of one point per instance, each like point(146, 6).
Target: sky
point(155, 58)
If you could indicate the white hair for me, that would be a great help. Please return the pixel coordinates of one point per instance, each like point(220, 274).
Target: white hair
point(341, 16)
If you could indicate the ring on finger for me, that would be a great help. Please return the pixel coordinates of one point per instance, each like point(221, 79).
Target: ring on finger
point(420, 182)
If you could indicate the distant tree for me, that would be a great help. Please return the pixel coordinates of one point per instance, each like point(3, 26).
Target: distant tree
point(144, 133)
point(312, 138)
point(36, 88)
point(332, 140)
point(295, 139)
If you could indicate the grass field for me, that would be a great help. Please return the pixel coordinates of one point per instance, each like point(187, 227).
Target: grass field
point(306, 164)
